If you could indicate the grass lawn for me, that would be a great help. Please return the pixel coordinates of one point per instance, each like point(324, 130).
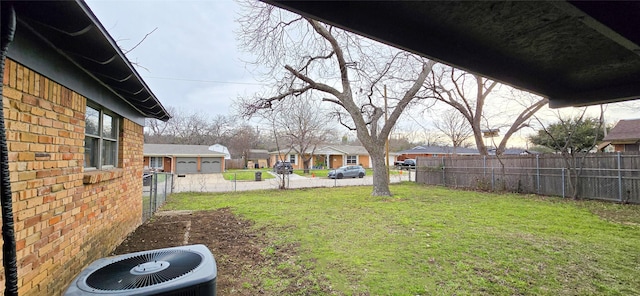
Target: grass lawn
point(437, 241)
point(246, 175)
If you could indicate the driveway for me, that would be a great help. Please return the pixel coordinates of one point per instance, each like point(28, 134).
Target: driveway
point(216, 183)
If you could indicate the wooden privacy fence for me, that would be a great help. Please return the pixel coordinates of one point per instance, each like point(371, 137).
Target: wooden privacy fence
point(234, 164)
point(605, 176)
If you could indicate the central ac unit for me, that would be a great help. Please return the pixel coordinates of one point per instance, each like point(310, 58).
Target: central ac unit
point(187, 270)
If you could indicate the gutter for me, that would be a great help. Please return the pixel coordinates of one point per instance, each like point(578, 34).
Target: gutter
point(9, 261)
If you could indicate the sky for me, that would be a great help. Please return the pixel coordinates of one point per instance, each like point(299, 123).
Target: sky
point(192, 61)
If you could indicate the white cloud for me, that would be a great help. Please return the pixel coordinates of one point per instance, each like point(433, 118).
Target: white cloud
point(192, 58)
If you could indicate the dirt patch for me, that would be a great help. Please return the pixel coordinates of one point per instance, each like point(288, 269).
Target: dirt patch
point(248, 263)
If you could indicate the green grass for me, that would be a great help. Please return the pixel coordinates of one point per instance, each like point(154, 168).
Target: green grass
point(317, 172)
point(436, 241)
point(246, 175)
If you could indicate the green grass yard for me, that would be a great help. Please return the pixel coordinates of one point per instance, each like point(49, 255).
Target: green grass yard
point(246, 175)
point(437, 241)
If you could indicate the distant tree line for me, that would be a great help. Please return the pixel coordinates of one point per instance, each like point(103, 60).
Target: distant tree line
point(196, 128)
point(296, 129)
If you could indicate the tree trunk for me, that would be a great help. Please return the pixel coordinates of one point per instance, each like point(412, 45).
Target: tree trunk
point(477, 135)
point(380, 174)
point(305, 164)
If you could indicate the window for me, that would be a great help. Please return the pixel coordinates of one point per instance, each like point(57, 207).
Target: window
point(352, 159)
point(155, 162)
point(100, 139)
point(292, 158)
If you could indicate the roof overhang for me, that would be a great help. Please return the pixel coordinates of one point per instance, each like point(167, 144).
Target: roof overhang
point(72, 30)
point(574, 53)
point(195, 155)
point(625, 141)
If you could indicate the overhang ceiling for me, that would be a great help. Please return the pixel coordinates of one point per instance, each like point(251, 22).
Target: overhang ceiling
point(574, 53)
point(74, 31)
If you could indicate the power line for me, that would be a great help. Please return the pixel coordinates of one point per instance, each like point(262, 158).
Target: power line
point(204, 81)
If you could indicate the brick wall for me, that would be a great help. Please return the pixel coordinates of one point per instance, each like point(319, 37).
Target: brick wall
point(65, 218)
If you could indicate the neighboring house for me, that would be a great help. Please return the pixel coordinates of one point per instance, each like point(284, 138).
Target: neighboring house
point(74, 111)
point(258, 158)
point(335, 156)
point(222, 149)
point(435, 151)
point(513, 151)
point(331, 156)
point(183, 159)
point(624, 136)
point(286, 155)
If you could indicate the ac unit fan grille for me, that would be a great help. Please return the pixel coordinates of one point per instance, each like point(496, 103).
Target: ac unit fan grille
point(125, 274)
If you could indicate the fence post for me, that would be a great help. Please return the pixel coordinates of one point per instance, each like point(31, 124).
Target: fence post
point(444, 175)
point(619, 176)
point(235, 181)
point(493, 180)
point(484, 165)
point(563, 193)
point(538, 173)
point(155, 192)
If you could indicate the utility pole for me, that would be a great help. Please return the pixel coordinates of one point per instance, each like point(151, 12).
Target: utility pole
point(386, 144)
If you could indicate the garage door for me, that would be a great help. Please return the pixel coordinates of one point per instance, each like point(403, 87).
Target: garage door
point(211, 165)
point(187, 165)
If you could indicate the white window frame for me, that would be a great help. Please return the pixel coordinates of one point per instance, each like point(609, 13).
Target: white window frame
point(102, 138)
point(352, 159)
point(293, 159)
point(158, 159)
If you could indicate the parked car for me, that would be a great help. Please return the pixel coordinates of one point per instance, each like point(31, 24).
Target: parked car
point(408, 164)
point(348, 171)
point(283, 167)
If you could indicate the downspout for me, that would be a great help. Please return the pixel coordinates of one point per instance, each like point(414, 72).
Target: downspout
point(7, 29)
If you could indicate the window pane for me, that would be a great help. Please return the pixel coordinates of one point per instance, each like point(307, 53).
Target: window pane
point(155, 162)
point(292, 158)
point(90, 152)
point(92, 124)
point(108, 127)
point(109, 151)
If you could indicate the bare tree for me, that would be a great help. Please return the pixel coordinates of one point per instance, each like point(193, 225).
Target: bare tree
point(454, 126)
point(303, 55)
point(423, 134)
point(304, 126)
point(241, 139)
point(189, 128)
point(468, 94)
point(574, 138)
point(156, 130)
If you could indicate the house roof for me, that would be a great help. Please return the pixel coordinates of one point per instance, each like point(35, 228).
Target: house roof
point(179, 150)
point(332, 149)
point(342, 149)
point(255, 154)
point(625, 130)
point(573, 52)
point(440, 150)
point(514, 151)
point(72, 29)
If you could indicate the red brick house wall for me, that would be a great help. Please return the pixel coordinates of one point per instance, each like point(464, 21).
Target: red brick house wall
point(65, 217)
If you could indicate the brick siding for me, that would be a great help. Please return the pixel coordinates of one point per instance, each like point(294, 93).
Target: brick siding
point(65, 218)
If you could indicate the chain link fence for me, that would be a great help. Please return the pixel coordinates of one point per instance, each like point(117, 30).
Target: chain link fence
point(156, 187)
